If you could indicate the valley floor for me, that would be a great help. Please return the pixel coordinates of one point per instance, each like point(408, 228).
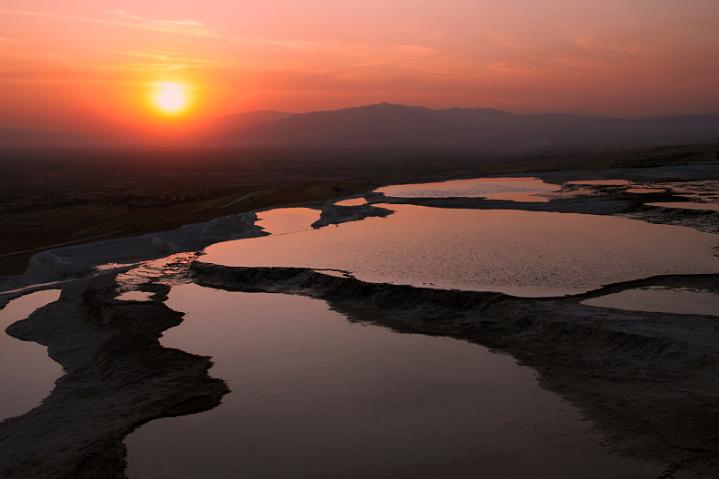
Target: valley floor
point(648, 380)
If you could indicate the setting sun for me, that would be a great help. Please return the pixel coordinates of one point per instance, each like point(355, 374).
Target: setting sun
point(170, 97)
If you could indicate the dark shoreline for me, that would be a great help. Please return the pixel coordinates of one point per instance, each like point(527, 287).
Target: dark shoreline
point(648, 388)
point(65, 195)
point(117, 376)
point(647, 380)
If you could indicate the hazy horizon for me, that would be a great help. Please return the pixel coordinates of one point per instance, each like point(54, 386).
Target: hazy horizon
point(85, 67)
point(383, 239)
point(381, 125)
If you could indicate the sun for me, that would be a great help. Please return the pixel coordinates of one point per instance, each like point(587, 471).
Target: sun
point(170, 97)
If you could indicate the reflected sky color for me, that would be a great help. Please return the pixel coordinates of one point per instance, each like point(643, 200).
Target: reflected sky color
point(97, 59)
point(516, 252)
point(616, 182)
point(687, 205)
point(661, 300)
point(314, 396)
point(287, 220)
point(510, 189)
point(27, 374)
point(134, 296)
point(352, 202)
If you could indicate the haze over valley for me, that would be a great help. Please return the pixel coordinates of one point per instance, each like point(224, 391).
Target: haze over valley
point(400, 126)
point(413, 239)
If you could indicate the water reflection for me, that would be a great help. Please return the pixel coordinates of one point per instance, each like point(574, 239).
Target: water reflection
point(613, 182)
point(645, 190)
point(516, 252)
point(661, 299)
point(27, 374)
point(510, 189)
point(134, 296)
point(315, 396)
point(687, 205)
point(352, 202)
point(287, 220)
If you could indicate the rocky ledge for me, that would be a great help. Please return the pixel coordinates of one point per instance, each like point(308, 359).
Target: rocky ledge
point(650, 381)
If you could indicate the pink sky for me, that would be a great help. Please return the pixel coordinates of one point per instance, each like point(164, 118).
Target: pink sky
point(66, 64)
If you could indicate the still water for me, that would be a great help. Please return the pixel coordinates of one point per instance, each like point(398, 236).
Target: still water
point(661, 299)
point(134, 296)
point(315, 396)
point(516, 252)
point(287, 220)
point(511, 189)
point(352, 202)
point(612, 182)
point(688, 205)
point(27, 374)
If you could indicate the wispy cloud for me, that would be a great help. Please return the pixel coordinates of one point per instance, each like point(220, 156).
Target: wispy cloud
point(123, 19)
point(184, 25)
point(172, 56)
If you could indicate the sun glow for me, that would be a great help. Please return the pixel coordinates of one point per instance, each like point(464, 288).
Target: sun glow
point(170, 97)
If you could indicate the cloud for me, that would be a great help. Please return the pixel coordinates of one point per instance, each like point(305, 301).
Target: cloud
point(124, 19)
point(184, 25)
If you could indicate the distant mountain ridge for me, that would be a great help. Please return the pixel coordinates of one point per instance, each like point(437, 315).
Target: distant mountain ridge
point(10, 137)
point(247, 120)
point(387, 125)
point(391, 125)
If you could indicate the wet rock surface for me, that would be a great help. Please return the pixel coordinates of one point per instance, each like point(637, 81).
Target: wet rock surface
point(707, 221)
point(117, 377)
point(333, 214)
point(649, 380)
point(75, 261)
point(634, 188)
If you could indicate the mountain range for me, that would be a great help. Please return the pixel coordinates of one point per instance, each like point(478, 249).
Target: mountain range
point(482, 130)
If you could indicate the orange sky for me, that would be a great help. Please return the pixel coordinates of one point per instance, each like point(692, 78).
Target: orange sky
point(64, 65)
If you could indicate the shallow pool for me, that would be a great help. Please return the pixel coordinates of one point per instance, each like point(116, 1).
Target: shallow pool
point(287, 220)
point(661, 299)
point(527, 189)
point(352, 202)
point(315, 396)
point(516, 252)
point(27, 374)
point(134, 296)
point(688, 205)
